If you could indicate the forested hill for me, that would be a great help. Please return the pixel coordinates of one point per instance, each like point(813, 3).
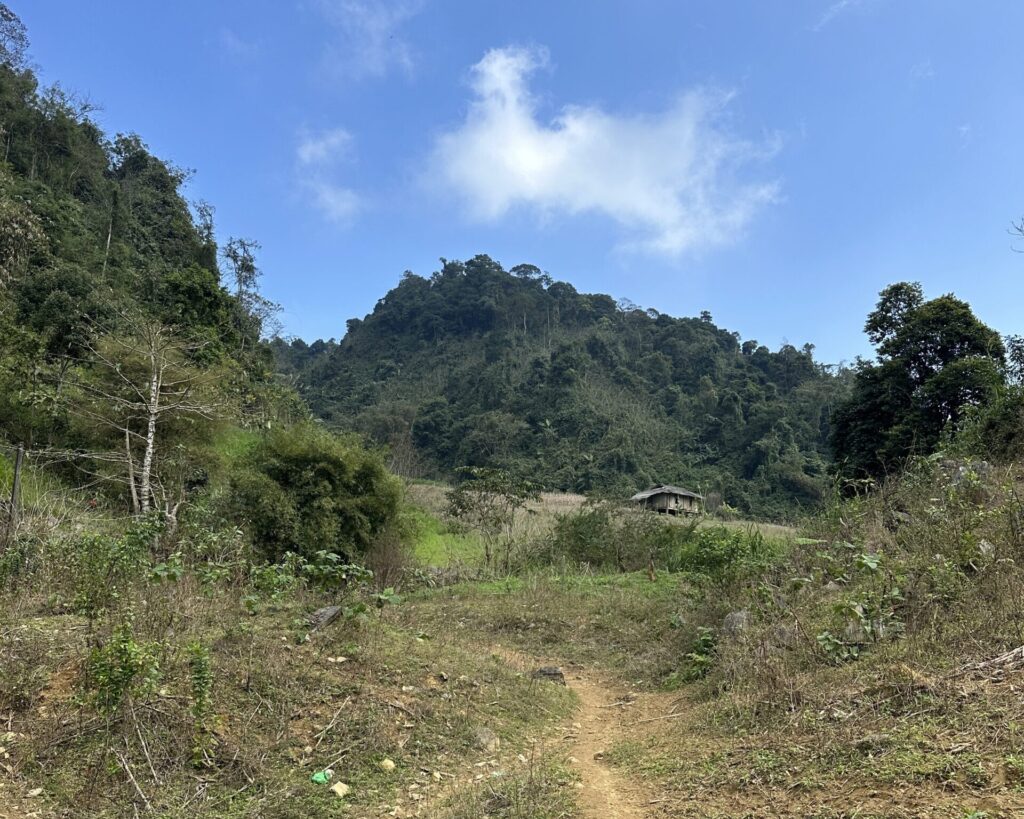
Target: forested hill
point(121, 352)
point(486, 367)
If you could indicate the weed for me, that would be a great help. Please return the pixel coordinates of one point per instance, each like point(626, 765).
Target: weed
point(201, 679)
point(121, 668)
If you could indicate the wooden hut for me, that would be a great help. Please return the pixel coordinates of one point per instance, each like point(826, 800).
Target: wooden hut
point(669, 500)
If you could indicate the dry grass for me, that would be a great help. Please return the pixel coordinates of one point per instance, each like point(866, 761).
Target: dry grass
point(281, 709)
point(533, 525)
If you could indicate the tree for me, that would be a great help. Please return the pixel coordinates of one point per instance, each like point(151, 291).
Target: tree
point(935, 360)
point(258, 312)
point(13, 38)
point(490, 500)
point(21, 231)
point(139, 378)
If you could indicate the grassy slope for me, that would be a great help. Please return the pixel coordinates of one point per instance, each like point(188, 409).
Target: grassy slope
point(777, 729)
point(280, 709)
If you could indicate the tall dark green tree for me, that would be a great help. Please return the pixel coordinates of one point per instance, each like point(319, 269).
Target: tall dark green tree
point(935, 360)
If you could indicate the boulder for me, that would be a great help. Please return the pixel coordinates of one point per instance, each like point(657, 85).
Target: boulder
point(735, 623)
point(322, 618)
point(551, 673)
point(486, 739)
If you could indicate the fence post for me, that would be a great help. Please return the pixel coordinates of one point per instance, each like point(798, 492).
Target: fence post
point(12, 518)
point(16, 485)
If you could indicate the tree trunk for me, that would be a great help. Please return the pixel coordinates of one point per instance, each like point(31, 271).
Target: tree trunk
point(106, 250)
point(131, 471)
point(145, 483)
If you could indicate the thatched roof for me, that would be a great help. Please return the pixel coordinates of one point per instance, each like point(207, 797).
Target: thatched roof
point(664, 489)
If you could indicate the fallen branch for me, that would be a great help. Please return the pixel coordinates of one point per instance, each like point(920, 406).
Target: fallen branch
point(1010, 661)
point(672, 715)
point(131, 777)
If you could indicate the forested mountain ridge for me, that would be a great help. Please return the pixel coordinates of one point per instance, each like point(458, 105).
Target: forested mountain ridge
point(482, 366)
point(129, 339)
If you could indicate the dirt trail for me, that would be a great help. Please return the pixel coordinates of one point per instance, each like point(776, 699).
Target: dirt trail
point(605, 793)
point(601, 721)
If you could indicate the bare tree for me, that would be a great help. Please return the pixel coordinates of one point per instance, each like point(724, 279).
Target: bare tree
point(138, 379)
point(1017, 229)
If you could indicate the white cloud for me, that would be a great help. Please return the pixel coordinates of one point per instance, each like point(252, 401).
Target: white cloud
point(924, 70)
point(235, 46)
point(336, 202)
point(327, 147)
point(320, 158)
point(834, 10)
point(368, 40)
point(668, 179)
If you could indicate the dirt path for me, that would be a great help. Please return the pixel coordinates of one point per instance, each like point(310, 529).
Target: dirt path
point(605, 792)
point(600, 722)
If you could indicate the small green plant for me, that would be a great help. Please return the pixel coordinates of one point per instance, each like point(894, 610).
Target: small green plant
point(201, 679)
point(120, 669)
point(168, 571)
point(838, 651)
point(103, 566)
point(702, 657)
point(277, 580)
point(388, 597)
point(330, 572)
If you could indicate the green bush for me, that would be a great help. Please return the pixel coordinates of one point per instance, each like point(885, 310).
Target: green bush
point(586, 536)
point(102, 566)
point(304, 490)
point(721, 553)
point(121, 668)
point(605, 536)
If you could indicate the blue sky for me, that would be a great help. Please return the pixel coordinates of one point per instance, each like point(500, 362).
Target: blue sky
point(776, 163)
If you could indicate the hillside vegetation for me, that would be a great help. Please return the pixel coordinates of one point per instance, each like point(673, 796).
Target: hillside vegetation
point(480, 366)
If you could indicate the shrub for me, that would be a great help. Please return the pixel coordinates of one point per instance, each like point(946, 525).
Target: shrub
point(102, 566)
point(121, 668)
point(722, 553)
point(586, 536)
point(304, 490)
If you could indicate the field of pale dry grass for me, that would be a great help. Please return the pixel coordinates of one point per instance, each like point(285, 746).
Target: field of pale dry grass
point(536, 522)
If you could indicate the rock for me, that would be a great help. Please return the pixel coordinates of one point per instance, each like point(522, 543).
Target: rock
point(341, 789)
point(736, 622)
point(855, 633)
point(902, 518)
point(386, 765)
point(32, 794)
point(486, 739)
point(321, 618)
point(985, 548)
point(786, 636)
point(551, 673)
point(872, 742)
point(832, 586)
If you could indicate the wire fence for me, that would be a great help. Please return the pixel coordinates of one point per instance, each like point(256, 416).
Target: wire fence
point(36, 498)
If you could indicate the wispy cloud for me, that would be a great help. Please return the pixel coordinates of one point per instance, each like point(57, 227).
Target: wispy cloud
point(919, 72)
point(669, 179)
point(325, 147)
point(367, 40)
point(833, 11)
point(320, 158)
point(966, 132)
point(237, 47)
